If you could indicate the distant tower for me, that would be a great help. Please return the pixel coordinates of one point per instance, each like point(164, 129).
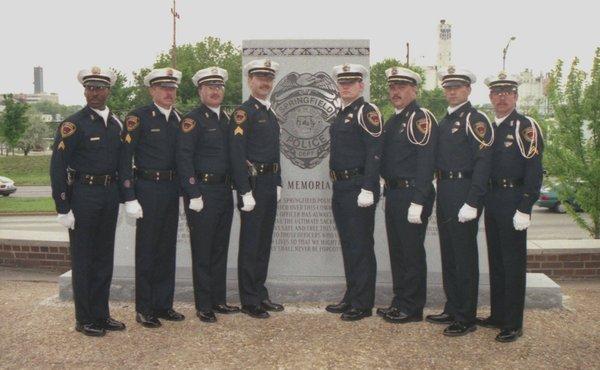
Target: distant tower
point(38, 80)
point(444, 58)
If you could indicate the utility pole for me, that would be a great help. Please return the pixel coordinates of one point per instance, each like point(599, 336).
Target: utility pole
point(174, 46)
point(407, 54)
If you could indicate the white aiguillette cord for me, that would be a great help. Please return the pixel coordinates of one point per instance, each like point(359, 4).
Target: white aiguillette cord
point(534, 139)
point(361, 121)
point(410, 129)
point(470, 129)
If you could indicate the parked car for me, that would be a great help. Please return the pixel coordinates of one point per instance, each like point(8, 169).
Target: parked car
point(549, 199)
point(7, 186)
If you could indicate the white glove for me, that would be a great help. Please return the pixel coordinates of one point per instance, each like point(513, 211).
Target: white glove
point(196, 204)
point(67, 220)
point(414, 213)
point(365, 198)
point(278, 193)
point(133, 209)
point(248, 201)
point(467, 213)
point(521, 221)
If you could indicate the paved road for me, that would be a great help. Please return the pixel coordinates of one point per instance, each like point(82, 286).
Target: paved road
point(32, 191)
point(546, 225)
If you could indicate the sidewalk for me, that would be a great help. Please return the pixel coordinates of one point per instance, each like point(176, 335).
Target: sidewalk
point(37, 332)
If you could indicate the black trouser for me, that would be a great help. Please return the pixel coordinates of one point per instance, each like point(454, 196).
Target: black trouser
point(256, 235)
point(407, 250)
point(355, 226)
point(458, 243)
point(209, 236)
point(507, 255)
point(155, 245)
point(92, 245)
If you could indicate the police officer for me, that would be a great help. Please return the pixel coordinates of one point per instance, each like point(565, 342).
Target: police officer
point(409, 140)
point(83, 172)
point(204, 170)
point(256, 170)
point(152, 196)
point(354, 169)
point(515, 181)
point(463, 166)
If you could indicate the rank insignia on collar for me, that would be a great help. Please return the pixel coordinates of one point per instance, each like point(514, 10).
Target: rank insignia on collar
point(187, 125)
point(132, 122)
point(240, 116)
point(461, 114)
point(206, 114)
point(153, 113)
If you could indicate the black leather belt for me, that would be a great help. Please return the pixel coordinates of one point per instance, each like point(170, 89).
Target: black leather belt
point(155, 175)
point(506, 183)
point(213, 178)
point(103, 180)
point(399, 183)
point(346, 174)
point(453, 175)
point(265, 168)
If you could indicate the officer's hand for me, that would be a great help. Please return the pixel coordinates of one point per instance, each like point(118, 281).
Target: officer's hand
point(521, 221)
point(133, 209)
point(365, 198)
point(196, 204)
point(414, 213)
point(67, 220)
point(248, 202)
point(278, 193)
point(467, 213)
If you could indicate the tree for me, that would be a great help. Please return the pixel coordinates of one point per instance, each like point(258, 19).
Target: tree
point(190, 58)
point(573, 145)
point(433, 100)
point(121, 95)
point(13, 122)
point(34, 137)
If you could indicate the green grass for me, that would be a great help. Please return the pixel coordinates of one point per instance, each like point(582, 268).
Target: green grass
point(22, 205)
point(26, 170)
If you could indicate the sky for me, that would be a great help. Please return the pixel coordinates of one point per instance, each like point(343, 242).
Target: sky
point(64, 36)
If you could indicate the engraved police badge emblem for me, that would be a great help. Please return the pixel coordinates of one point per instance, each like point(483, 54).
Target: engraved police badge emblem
point(305, 105)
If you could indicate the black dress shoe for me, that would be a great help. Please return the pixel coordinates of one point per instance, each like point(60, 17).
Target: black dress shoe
point(90, 329)
point(111, 324)
point(255, 311)
point(147, 321)
point(396, 316)
point(383, 310)
point(225, 308)
point(206, 315)
point(442, 318)
point(457, 329)
point(338, 307)
point(355, 314)
point(170, 315)
point(488, 322)
point(509, 335)
point(267, 305)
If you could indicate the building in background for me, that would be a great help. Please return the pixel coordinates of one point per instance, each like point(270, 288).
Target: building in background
point(532, 92)
point(444, 55)
point(38, 91)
